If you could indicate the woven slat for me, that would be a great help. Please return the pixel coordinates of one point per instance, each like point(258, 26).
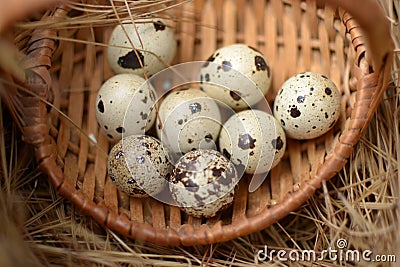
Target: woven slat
point(295, 36)
point(258, 200)
point(136, 208)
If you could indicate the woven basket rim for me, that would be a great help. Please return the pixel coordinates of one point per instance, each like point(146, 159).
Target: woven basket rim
point(370, 87)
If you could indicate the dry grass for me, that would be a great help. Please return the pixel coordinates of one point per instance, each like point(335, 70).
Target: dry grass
point(361, 205)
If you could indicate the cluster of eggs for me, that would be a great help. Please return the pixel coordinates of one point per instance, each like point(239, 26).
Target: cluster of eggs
point(210, 147)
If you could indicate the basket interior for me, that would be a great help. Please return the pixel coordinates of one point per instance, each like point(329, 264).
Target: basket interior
point(295, 36)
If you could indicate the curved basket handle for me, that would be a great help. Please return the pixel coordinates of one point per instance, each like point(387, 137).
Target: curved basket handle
point(12, 11)
point(375, 26)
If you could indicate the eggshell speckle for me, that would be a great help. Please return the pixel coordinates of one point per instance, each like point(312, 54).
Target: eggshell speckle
point(190, 120)
point(237, 75)
point(139, 165)
point(203, 183)
point(125, 96)
point(154, 42)
point(254, 140)
point(307, 105)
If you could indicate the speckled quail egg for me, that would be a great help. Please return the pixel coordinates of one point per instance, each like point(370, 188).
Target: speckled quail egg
point(307, 105)
point(139, 165)
point(153, 40)
point(237, 75)
point(253, 140)
point(203, 183)
point(190, 120)
point(124, 105)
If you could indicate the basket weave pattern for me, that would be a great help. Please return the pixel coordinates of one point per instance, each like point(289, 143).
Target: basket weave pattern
point(295, 37)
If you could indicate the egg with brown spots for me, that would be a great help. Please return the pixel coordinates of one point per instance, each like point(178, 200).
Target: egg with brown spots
point(189, 120)
point(139, 165)
point(307, 105)
point(146, 42)
point(253, 140)
point(237, 75)
point(124, 105)
point(203, 183)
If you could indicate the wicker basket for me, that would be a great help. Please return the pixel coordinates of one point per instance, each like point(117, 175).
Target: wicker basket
point(295, 36)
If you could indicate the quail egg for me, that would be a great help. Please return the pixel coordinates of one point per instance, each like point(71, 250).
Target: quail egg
point(307, 105)
point(203, 182)
point(139, 165)
point(124, 105)
point(190, 120)
point(253, 140)
point(154, 44)
point(237, 75)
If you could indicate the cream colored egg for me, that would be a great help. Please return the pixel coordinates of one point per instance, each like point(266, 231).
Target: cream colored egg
point(190, 120)
point(153, 40)
point(253, 140)
point(307, 105)
point(124, 105)
point(139, 165)
point(237, 75)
